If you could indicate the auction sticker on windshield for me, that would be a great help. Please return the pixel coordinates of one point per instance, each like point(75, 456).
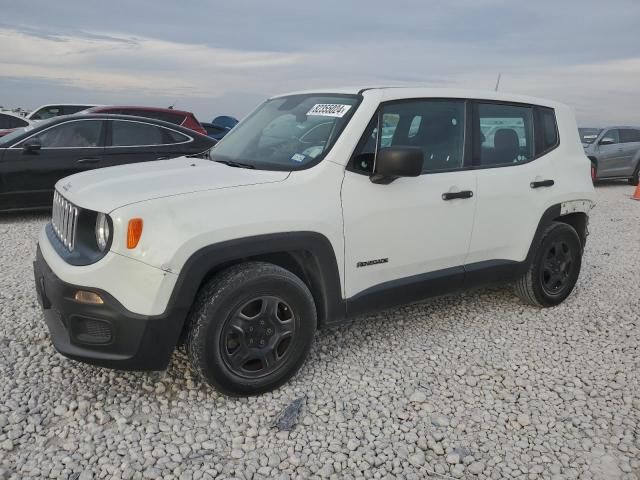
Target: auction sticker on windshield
point(329, 110)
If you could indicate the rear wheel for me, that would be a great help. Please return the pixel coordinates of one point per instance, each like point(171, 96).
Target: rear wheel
point(251, 328)
point(554, 268)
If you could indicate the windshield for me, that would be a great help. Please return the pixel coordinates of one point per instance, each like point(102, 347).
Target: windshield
point(287, 133)
point(589, 135)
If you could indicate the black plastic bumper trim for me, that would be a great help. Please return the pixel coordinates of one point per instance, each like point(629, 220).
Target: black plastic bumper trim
point(138, 342)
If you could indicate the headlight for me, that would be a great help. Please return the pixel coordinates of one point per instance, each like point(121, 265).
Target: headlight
point(102, 231)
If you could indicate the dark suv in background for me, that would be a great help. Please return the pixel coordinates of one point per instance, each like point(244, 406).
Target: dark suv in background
point(614, 152)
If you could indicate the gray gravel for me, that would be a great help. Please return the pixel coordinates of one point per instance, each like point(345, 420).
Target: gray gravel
point(469, 386)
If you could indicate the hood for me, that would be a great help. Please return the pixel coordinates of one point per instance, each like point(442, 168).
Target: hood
point(106, 189)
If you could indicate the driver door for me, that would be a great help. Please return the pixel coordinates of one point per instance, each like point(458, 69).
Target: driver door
point(405, 241)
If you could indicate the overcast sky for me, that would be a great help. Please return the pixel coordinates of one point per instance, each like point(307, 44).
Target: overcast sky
point(214, 57)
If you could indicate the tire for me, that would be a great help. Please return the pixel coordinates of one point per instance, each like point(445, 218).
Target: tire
point(554, 268)
point(251, 328)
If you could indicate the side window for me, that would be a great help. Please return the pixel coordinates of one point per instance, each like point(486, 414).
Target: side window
point(9, 121)
point(174, 137)
point(47, 112)
point(629, 135)
point(506, 134)
point(71, 109)
point(435, 126)
point(80, 134)
point(611, 135)
point(129, 134)
point(549, 129)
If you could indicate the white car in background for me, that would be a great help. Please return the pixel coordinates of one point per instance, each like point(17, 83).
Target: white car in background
point(55, 110)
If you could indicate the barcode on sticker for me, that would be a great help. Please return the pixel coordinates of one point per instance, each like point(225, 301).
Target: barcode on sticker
point(329, 110)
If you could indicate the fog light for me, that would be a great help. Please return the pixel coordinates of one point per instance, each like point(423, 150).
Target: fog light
point(82, 296)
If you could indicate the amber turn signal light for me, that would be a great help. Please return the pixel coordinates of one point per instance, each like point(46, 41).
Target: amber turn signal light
point(83, 296)
point(134, 232)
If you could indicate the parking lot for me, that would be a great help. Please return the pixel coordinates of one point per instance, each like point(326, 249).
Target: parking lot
point(469, 386)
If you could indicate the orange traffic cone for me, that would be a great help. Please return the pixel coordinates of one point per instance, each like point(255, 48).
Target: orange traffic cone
point(636, 194)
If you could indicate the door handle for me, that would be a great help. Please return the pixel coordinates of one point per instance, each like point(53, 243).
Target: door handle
point(89, 160)
point(542, 183)
point(454, 195)
point(162, 158)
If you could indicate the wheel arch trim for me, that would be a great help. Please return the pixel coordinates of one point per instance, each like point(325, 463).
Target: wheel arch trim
point(312, 252)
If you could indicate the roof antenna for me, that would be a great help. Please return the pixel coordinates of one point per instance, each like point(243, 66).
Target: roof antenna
point(172, 105)
point(498, 81)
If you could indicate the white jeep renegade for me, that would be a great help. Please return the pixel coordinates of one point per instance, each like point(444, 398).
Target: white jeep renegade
point(316, 208)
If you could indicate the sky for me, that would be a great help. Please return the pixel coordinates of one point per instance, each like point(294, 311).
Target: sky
point(224, 58)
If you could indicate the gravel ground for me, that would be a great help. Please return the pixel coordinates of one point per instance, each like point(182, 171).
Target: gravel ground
point(469, 386)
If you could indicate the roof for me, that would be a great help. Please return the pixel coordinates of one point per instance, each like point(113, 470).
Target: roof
point(112, 116)
point(134, 107)
point(399, 92)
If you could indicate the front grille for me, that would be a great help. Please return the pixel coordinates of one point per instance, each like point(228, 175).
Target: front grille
point(64, 220)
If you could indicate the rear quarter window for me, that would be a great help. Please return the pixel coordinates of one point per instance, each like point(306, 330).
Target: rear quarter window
point(629, 135)
point(549, 128)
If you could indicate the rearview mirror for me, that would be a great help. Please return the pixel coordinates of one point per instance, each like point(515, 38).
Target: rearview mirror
point(607, 141)
point(395, 162)
point(30, 147)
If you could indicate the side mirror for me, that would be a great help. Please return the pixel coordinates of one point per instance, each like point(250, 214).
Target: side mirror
point(31, 147)
point(395, 162)
point(607, 141)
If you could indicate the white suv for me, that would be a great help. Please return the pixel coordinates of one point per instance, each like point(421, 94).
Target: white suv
point(318, 207)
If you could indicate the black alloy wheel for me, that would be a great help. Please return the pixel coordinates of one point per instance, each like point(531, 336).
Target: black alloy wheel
point(251, 328)
point(257, 337)
point(556, 268)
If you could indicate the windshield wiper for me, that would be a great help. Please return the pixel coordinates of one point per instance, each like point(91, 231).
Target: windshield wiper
point(236, 164)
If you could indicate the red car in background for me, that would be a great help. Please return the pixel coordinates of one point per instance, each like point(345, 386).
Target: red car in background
point(177, 117)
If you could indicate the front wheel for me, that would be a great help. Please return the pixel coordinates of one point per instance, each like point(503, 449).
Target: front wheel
point(554, 269)
point(251, 328)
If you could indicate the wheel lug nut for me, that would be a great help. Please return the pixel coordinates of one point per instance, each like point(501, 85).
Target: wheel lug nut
point(261, 342)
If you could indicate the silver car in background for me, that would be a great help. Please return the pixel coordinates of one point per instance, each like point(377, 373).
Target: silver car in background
point(614, 152)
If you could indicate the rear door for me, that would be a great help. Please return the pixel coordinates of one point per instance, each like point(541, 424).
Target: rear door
point(29, 175)
point(514, 181)
point(630, 142)
point(132, 141)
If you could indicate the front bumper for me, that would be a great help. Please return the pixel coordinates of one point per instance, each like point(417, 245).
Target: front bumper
point(106, 335)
